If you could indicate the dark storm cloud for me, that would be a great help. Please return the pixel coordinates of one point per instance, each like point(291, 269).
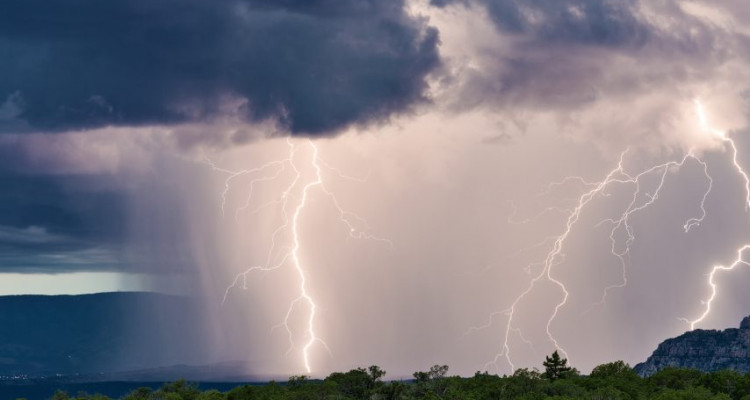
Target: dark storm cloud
point(316, 66)
point(58, 224)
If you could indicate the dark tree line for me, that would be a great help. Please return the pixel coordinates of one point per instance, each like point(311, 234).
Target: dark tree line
point(558, 381)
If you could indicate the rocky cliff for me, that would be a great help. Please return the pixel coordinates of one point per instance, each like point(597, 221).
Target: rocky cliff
point(706, 350)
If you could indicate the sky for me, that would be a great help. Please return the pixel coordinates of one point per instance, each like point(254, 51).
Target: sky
point(405, 183)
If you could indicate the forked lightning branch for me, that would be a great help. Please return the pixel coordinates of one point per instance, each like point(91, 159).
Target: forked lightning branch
point(292, 202)
point(620, 228)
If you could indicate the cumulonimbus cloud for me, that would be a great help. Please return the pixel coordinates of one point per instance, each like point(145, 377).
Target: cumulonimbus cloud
point(316, 67)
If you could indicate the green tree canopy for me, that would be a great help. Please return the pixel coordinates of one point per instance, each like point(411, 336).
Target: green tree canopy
point(555, 367)
point(357, 383)
point(618, 369)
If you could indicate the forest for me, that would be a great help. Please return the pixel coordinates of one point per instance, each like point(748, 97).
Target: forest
point(557, 380)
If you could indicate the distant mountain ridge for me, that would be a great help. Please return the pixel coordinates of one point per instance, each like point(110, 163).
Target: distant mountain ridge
point(705, 350)
point(229, 371)
point(97, 333)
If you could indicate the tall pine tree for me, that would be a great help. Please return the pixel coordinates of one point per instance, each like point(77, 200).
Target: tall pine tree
point(555, 366)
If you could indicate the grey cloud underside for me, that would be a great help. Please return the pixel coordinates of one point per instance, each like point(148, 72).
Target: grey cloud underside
point(316, 66)
point(564, 54)
point(603, 22)
point(56, 224)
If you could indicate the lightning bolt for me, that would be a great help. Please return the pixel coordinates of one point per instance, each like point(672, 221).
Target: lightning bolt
point(737, 262)
point(706, 127)
point(291, 254)
point(623, 222)
point(640, 200)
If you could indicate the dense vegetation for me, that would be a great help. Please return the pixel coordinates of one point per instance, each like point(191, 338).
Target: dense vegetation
point(558, 381)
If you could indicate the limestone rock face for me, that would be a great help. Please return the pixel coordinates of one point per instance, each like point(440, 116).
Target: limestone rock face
point(705, 350)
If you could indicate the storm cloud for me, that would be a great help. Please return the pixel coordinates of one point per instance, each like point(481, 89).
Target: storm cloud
point(462, 131)
point(59, 224)
point(315, 67)
point(573, 55)
point(611, 23)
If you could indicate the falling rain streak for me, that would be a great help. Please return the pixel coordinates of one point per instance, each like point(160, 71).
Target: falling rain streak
point(295, 198)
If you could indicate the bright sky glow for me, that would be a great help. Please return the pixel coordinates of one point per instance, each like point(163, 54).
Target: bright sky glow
point(70, 283)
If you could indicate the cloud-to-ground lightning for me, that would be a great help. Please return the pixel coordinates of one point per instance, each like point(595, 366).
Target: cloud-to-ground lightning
point(292, 202)
point(621, 234)
point(714, 289)
point(723, 135)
